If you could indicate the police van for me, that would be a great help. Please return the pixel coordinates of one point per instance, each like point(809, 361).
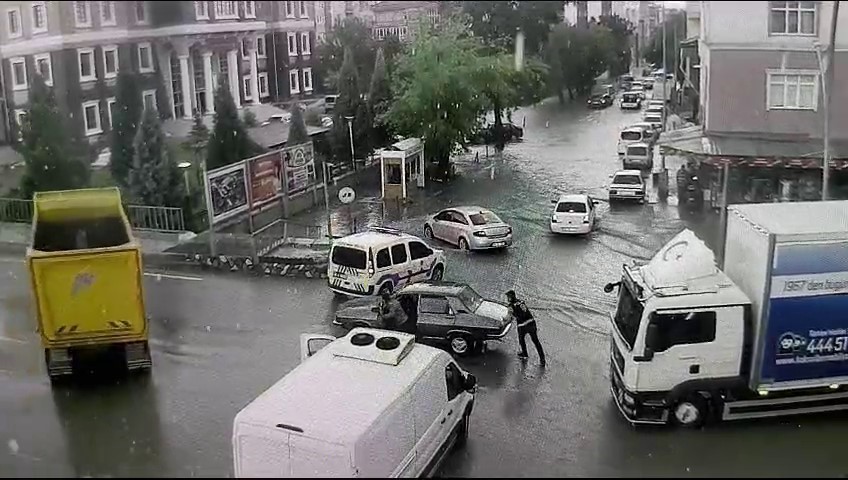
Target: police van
point(381, 260)
point(372, 404)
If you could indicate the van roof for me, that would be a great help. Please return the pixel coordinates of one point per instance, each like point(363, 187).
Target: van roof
point(334, 397)
point(373, 239)
point(796, 218)
point(629, 172)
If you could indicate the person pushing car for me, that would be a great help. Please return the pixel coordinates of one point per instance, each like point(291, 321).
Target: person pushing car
point(526, 326)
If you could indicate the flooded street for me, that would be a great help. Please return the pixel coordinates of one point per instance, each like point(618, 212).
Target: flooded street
point(219, 340)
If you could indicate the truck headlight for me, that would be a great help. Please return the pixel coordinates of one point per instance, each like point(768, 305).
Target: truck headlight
point(553, 218)
point(628, 398)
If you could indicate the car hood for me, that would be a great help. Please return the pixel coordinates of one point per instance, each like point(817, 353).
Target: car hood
point(494, 311)
point(358, 308)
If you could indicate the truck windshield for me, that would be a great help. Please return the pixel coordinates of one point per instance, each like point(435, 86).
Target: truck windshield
point(628, 315)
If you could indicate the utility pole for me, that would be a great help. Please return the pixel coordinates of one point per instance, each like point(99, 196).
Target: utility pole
point(827, 91)
point(665, 67)
point(349, 119)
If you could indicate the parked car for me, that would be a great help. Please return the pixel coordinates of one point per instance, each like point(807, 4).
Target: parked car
point(634, 134)
point(650, 129)
point(638, 156)
point(631, 101)
point(639, 88)
point(648, 82)
point(469, 228)
point(627, 185)
point(654, 118)
point(573, 214)
point(441, 311)
point(599, 101)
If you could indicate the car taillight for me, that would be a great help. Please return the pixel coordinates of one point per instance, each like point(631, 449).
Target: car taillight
point(481, 233)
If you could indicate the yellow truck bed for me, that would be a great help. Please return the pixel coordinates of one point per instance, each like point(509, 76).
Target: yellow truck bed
point(86, 274)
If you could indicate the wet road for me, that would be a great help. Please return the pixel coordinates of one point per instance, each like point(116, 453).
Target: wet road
point(219, 340)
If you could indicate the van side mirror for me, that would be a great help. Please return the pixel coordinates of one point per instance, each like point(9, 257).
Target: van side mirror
point(553, 202)
point(470, 382)
point(608, 288)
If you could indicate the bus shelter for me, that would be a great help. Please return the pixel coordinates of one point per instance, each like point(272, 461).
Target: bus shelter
point(402, 166)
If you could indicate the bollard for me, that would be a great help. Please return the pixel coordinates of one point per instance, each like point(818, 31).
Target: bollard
point(492, 175)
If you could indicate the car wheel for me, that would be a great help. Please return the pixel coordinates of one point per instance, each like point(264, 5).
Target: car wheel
point(463, 244)
point(438, 273)
point(428, 232)
point(386, 288)
point(689, 412)
point(460, 344)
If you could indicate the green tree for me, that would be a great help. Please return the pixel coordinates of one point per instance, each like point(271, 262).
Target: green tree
point(353, 35)
point(198, 137)
point(154, 178)
point(297, 128)
point(438, 98)
point(229, 141)
point(497, 22)
point(621, 31)
point(125, 120)
point(379, 101)
point(675, 31)
point(54, 158)
point(350, 104)
point(577, 57)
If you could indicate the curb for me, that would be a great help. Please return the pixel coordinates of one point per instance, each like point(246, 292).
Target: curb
point(268, 266)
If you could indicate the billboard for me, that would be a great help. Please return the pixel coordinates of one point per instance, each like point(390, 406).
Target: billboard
point(266, 184)
point(806, 337)
point(227, 191)
point(299, 166)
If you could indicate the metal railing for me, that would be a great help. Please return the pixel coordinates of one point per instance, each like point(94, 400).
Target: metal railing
point(141, 217)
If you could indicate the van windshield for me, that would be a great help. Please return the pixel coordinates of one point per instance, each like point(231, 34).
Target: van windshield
point(627, 180)
point(571, 207)
point(349, 257)
point(629, 97)
point(638, 151)
point(628, 314)
point(631, 135)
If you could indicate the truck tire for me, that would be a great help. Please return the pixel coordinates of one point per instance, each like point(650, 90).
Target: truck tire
point(690, 411)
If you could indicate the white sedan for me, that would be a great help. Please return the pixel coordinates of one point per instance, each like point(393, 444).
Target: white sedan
point(573, 214)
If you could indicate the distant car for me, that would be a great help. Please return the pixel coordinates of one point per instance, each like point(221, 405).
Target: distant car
point(654, 118)
point(639, 88)
point(638, 156)
point(599, 101)
point(442, 311)
point(648, 83)
point(631, 101)
point(627, 185)
point(650, 129)
point(573, 214)
point(469, 228)
point(656, 103)
point(330, 103)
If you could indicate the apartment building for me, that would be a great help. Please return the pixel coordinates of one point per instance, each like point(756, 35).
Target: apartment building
point(594, 9)
point(179, 51)
point(400, 18)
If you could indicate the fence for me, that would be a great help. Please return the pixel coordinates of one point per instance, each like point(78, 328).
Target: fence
point(141, 217)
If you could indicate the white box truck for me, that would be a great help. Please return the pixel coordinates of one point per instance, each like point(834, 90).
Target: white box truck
point(766, 335)
point(371, 404)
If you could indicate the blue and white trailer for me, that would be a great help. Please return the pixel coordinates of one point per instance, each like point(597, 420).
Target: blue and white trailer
point(765, 335)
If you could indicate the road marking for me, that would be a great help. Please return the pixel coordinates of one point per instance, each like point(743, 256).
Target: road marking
point(11, 260)
point(173, 277)
point(13, 340)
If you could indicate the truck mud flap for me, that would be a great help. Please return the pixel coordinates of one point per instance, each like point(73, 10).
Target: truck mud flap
point(138, 356)
point(785, 406)
point(59, 362)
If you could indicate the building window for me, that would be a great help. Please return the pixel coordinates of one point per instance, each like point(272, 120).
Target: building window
point(226, 10)
point(19, 73)
point(792, 18)
point(148, 99)
point(145, 58)
point(305, 43)
point(107, 13)
point(292, 43)
point(260, 47)
point(141, 12)
point(86, 64)
point(44, 67)
point(289, 9)
point(403, 32)
point(201, 10)
point(91, 115)
point(303, 12)
point(263, 84)
point(307, 79)
point(248, 92)
point(249, 9)
point(13, 22)
point(82, 14)
point(294, 83)
point(110, 61)
point(39, 17)
point(110, 110)
point(793, 91)
point(380, 33)
point(244, 48)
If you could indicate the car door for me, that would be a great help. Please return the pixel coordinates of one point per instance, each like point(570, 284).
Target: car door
point(458, 227)
point(592, 211)
point(435, 316)
point(440, 223)
point(444, 434)
point(420, 260)
point(382, 264)
point(310, 344)
point(400, 264)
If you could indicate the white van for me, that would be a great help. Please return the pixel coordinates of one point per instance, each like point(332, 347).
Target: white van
point(381, 260)
point(371, 404)
point(633, 134)
point(638, 156)
point(654, 118)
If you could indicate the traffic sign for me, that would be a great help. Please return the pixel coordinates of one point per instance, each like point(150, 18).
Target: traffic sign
point(347, 195)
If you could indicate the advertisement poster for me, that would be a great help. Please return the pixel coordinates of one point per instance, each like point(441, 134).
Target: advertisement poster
point(300, 167)
point(807, 332)
point(266, 182)
point(227, 191)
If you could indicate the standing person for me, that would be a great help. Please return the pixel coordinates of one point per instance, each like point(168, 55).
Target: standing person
point(391, 312)
point(526, 326)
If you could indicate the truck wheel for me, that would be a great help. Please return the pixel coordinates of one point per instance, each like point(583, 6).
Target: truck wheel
point(690, 411)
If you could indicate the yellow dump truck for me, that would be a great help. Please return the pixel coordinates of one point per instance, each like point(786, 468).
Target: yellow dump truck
point(86, 274)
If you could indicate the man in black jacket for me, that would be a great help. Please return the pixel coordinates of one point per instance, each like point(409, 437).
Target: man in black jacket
point(526, 326)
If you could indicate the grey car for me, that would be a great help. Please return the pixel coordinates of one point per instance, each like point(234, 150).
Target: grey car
point(442, 311)
point(469, 228)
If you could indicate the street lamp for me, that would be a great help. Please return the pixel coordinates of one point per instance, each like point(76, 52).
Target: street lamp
point(349, 119)
point(184, 166)
point(826, 73)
